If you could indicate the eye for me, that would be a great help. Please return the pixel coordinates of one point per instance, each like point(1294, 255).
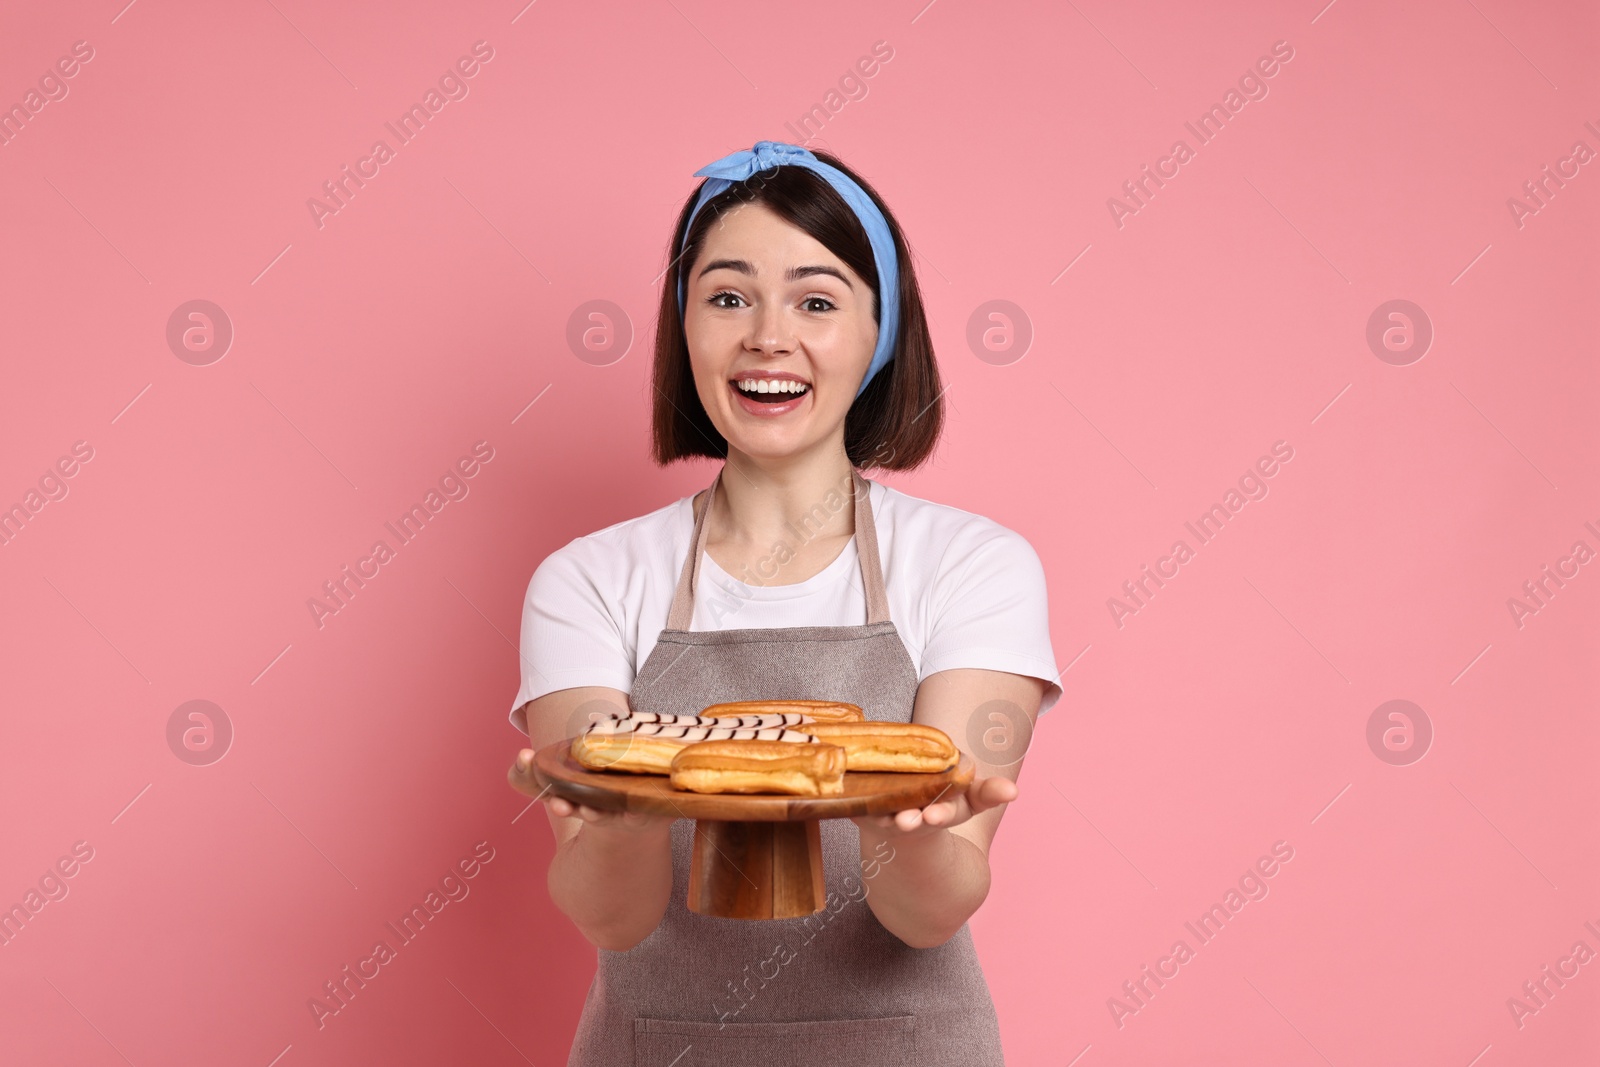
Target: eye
point(819, 300)
point(714, 297)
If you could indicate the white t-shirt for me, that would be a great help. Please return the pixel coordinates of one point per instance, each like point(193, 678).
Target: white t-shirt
point(963, 591)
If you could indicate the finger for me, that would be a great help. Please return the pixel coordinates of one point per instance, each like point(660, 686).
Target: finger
point(943, 813)
point(983, 795)
point(1004, 790)
point(517, 773)
point(560, 807)
point(909, 819)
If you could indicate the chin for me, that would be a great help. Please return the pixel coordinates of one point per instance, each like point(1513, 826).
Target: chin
point(767, 447)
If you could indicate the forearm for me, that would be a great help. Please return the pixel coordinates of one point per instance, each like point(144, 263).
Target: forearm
point(613, 886)
point(930, 887)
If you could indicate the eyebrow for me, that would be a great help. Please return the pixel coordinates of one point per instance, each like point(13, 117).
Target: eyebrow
point(793, 274)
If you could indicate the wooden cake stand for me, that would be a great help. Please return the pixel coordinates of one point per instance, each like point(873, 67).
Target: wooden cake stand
point(756, 856)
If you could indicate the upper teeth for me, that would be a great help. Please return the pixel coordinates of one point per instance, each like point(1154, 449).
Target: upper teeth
point(770, 385)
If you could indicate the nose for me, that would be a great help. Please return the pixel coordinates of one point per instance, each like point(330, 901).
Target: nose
point(770, 331)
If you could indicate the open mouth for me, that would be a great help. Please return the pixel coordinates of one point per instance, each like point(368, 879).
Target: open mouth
point(770, 390)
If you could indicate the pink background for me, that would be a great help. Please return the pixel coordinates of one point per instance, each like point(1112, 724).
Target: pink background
point(1230, 312)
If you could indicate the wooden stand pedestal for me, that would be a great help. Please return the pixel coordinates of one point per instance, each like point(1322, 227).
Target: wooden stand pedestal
point(756, 870)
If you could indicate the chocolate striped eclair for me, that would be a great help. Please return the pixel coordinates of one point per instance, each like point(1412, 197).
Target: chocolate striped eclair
point(639, 747)
point(752, 721)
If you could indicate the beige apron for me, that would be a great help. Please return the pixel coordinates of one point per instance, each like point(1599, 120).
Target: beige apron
point(834, 988)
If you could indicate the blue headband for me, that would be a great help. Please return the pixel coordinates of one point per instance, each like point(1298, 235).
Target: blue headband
point(743, 165)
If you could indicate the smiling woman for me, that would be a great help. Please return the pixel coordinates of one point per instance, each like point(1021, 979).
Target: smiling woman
point(791, 344)
point(826, 311)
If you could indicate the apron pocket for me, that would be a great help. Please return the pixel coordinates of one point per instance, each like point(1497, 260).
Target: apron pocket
point(879, 1042)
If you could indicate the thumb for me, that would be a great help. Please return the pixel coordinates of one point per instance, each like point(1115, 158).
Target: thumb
point(986, 793)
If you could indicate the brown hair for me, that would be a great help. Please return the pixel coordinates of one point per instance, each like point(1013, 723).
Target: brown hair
point(896, 420)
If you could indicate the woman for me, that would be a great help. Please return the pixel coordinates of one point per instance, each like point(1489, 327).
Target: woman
point(791, 344)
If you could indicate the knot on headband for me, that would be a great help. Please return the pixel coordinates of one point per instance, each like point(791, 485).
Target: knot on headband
point(742, 166)
point(764, 156)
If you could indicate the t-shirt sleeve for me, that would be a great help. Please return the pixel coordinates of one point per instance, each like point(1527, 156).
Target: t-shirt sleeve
point(569, 635)
point(990, 611)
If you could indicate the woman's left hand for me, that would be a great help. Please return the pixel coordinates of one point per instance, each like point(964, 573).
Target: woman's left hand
point(951, 809)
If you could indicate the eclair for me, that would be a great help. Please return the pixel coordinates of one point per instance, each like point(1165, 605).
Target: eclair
point(753, 721)
point(889, 746)
point(648, 747)
point(760, 767)
point(812, 710)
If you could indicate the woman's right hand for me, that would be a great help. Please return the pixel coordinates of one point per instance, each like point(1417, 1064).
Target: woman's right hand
point(625, 822)
point(631, 822)
point(610, 872)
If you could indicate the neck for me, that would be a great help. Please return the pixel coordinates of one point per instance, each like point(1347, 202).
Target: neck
point(794, 501)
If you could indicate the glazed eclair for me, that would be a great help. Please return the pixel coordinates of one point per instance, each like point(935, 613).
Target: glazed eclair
point(812, 710)
point(889, 746)
point(760, 767)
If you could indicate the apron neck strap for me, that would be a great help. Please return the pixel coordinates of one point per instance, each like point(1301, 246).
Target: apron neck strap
point(866, 535)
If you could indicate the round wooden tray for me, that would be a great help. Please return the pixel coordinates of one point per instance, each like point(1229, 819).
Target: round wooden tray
point(864, 793)
point(756, 856)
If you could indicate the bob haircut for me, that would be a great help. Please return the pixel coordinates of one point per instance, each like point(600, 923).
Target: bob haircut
point(895, 422)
